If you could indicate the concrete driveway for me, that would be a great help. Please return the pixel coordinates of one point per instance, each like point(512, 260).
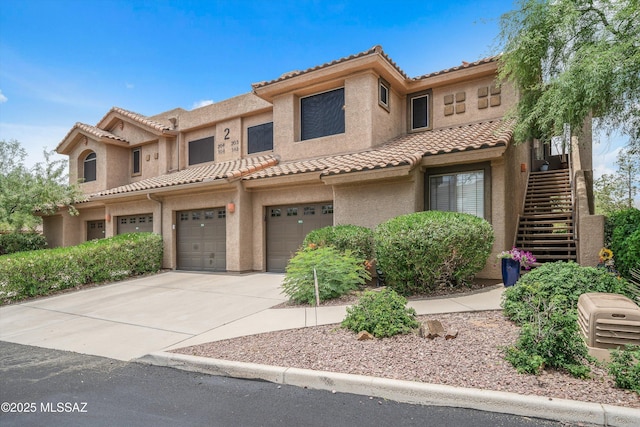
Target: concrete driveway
point(129, 319)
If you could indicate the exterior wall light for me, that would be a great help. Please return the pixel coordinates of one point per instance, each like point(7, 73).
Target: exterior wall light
point(231, 207)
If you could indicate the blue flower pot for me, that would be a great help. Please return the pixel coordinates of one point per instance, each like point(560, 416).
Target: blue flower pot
point(510, 271)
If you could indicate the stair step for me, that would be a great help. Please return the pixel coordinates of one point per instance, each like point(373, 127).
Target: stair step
point(559, 215)
point(555, 257)
point(553, 236)
point(537, 241)
point(555, 196)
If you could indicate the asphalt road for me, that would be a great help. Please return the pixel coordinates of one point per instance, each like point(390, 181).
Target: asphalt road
point(42, 387)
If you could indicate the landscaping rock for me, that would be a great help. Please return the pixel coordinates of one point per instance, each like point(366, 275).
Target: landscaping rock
point(364, 335)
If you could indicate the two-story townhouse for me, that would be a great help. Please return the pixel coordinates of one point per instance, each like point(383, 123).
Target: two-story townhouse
point(236, 185)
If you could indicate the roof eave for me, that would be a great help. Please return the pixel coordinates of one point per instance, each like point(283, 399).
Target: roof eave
point(450, 77)
point(386, 173)
point(336, 71)
point(215, 184)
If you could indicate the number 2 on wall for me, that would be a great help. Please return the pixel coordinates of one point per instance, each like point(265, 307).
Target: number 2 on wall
point(226, 133)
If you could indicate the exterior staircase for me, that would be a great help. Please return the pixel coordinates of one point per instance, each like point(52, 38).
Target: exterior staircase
point(546, 228)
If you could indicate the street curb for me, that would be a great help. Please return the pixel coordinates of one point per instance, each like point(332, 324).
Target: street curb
point(570, 411)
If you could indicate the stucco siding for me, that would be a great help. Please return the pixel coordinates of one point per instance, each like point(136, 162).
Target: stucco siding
point(370, 204)
point(52, 230)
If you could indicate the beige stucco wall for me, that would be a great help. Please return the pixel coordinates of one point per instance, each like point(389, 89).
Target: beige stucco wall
point(52, 230)
point(361, 112)
point(152, 163)
point(466, 96)
point(369, 204)
point(517, 157)
point(391, 122)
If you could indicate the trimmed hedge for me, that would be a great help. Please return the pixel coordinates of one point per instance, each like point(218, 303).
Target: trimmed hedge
point(419, 251)
point(19, 242)
point(358, 240)
point(29, 274)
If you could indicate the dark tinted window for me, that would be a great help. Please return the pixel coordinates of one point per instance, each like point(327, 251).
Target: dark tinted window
point(90, 167)
point(419, 112)
point(201, 150)
point(260, 138)
point(322, 114)
point(136, 161)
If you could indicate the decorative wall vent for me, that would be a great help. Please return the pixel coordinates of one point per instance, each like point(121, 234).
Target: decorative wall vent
point(608, 320)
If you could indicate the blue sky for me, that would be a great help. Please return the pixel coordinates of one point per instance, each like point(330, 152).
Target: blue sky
point(68, 61)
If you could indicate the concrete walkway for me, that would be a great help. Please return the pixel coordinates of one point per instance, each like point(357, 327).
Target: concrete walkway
point(129, 319)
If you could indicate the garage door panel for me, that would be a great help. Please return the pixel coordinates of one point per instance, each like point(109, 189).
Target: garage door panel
point(201, 238)
point(287, 227)
point(135, 223)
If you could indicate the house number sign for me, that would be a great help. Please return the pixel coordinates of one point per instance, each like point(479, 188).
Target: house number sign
point(235, 144)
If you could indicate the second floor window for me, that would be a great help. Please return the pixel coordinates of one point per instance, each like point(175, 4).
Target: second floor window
point(322, 114)
point(260, 138)
point(90, 167)
point(136, 166)
point(201, 150)
point(420, 111)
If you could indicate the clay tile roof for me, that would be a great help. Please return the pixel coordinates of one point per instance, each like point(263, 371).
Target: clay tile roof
point(144, 120)
point(212, 172)
point(404, 150)
point(376, 50)
point(460, 67)
point(94, 131)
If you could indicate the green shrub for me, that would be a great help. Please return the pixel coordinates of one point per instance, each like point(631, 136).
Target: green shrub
point(29, 274)
point(550, 339)
point(381, 313)
point(337, 272)
point(567, 279)
point(628, 254)
point(625, 367)
point(419, 251)
point(20, 242)
point(544, 303)
point(622, 236)
point(358, 240)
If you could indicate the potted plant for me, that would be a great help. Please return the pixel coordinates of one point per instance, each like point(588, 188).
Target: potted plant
point(512, 262)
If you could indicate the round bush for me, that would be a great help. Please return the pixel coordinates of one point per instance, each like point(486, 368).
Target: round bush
point(337, 272)
point(419, 251)
point(359, 240)
point(381, 313)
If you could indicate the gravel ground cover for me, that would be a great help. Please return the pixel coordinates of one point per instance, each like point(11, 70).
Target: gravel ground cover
point(473, 359)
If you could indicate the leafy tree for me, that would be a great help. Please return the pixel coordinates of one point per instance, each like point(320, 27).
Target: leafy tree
point(615, 192)
point(24, 191)
point(570, 59)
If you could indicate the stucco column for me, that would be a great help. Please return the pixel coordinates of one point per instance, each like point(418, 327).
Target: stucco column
point(239, 231)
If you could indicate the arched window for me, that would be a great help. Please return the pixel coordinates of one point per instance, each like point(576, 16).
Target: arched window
point(90, 167)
